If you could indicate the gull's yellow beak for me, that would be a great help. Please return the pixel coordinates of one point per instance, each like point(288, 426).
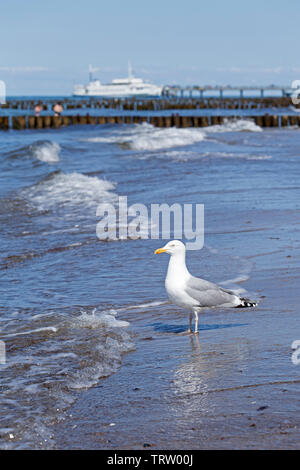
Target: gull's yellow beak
point(160, 250)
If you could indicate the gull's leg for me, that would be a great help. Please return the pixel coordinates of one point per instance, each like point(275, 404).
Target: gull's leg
point(196, 321)
point(190, 323)
point(189, 330)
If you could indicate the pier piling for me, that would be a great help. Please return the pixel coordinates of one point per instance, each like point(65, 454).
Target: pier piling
point(19, 122)
point(175, 120)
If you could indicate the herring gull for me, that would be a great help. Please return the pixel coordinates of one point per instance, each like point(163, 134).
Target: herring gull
point(193, 293)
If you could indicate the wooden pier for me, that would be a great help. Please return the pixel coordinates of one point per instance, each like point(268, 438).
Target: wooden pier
point(176, 90)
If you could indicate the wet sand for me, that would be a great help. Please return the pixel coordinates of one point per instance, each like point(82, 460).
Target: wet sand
point(233, 386)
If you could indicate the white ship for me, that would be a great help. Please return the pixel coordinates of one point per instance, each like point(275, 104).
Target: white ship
point(119, 87)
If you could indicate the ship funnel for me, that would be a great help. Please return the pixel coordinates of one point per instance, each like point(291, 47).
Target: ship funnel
point(130, 72)
point(91, 71)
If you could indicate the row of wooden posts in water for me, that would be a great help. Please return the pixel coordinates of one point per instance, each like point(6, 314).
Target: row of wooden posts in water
point(154, 104)
point(176, 120)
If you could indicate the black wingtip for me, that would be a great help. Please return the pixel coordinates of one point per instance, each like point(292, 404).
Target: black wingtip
point(245, 303)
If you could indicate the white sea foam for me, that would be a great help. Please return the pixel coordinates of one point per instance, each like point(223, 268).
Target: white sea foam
point(182, 156)
point(245, 156)
point(146, 305)
point(46, 151)
point(87, 346)
point(259, 157)
point(105, 319)
point(235, 125)
point(145, 137)
point(110, 341)
point(72, 190)
point(53, 329)
point(153, 138)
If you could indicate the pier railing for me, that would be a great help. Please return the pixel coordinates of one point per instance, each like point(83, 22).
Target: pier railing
point(176, 90)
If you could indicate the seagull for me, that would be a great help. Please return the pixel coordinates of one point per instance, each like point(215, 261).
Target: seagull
point(193, 293)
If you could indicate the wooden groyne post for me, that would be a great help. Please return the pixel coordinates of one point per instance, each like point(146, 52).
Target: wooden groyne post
point(174, 120)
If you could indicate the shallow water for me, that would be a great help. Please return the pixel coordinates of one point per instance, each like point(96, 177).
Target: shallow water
point(72, 306)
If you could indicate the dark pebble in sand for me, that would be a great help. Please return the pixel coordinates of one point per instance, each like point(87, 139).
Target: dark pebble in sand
point(146, 445)
point(148, 338)
point(136, 389)
point(253, 425)
point(261, 408)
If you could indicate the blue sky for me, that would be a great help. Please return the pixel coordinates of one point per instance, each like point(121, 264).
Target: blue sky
point(46, 46)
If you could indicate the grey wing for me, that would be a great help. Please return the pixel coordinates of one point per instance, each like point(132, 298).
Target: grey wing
point(209, 294)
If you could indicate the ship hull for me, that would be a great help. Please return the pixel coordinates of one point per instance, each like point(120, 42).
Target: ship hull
point(118, 93)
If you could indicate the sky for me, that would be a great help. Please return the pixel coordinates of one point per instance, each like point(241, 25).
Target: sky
point(46, 46)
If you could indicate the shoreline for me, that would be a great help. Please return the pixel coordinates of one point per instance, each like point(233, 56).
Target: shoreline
point(224, 389)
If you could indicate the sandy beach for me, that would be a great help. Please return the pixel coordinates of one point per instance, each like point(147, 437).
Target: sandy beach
point(233, 386)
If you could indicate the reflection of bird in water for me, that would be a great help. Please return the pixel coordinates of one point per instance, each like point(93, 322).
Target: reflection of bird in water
point(192, 292)
point(195, 343)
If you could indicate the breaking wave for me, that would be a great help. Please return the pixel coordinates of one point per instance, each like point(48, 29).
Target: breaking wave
point(145, 137)
point(42, 150)
point(63, 355)
point(235, 125)
point(69, 191)
point(45, 151)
